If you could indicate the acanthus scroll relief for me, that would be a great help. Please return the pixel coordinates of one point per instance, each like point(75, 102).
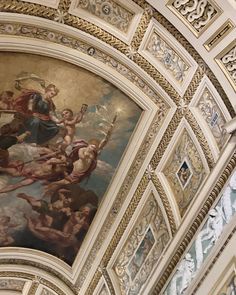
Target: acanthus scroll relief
point(197, 13)
point(167, 57)
point(109, 11)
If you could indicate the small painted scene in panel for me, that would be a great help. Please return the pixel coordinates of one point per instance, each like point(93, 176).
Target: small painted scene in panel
point(141, 253)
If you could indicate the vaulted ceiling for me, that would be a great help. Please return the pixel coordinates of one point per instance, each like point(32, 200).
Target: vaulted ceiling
point(167, 220)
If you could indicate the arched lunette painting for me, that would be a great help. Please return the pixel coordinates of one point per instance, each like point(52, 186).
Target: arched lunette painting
point(63, 132)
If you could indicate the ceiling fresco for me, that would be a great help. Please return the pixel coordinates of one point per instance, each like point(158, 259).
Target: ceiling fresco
point(117, 147)
point(56, 164)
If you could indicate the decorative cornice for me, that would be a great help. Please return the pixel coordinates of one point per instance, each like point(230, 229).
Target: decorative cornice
point(190, 232)
point(16, 6)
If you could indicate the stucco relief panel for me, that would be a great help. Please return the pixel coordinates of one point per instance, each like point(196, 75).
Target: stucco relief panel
point(184, 171)
point(192, 262)
point(162, 50)
point(120, 18)
point(197, 14)
point(143, 248)
point(227, 62)
point(209, 110)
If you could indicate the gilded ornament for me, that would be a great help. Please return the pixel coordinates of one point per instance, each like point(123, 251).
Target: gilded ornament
point(219, 35)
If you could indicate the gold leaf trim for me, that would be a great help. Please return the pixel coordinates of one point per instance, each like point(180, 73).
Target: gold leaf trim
point(15, 6)
point(165, 202)
point(219, 35)
point(33, 288)
point(197, 78)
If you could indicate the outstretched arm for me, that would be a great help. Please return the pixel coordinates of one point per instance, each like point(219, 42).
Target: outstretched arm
point(78, 118)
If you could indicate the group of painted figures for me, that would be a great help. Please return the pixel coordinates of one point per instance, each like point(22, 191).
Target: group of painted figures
point(57, 164)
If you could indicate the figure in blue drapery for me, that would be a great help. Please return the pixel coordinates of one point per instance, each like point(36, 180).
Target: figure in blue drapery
point(38, 109)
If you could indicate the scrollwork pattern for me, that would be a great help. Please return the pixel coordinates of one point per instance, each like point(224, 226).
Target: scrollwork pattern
point(145, 254)
point(109, 11)
point(229, 62)
point(197, 13)
point(185, 150)
point(213, 116)
point(167, 57)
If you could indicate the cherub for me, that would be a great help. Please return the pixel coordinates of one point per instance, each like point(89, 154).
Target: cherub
point(6, 100)
point(69, 120)
point(5, 238)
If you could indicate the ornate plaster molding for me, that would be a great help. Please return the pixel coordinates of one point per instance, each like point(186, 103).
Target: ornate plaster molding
point(219, 35)
point(197, 15)
point(227, 62)
point(119, 18)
